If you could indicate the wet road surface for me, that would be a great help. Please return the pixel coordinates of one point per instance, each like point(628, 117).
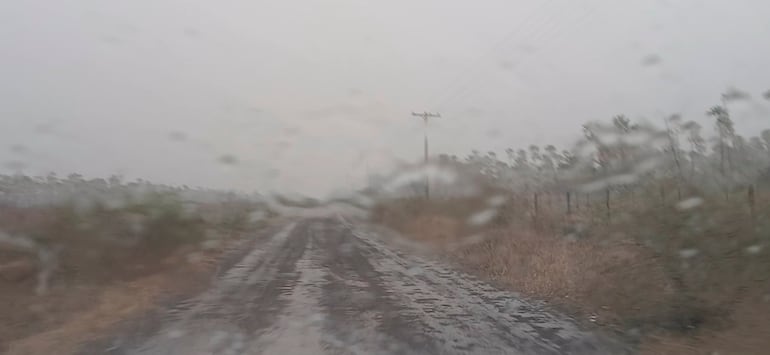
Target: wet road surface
point(324, 286)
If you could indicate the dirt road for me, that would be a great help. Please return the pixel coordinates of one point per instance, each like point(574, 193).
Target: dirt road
point(323, 286)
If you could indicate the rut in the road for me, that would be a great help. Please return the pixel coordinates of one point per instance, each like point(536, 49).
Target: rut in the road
point(355, 295)
point(320, 286)
point(470, 315)
point(248, 294)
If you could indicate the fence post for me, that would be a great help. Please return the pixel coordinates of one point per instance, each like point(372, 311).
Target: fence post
point(662, 194)
point(607, 202)
point(577, 202)
point(534, 216)
point(752, 205)
point(511, 204)
point(569, 204)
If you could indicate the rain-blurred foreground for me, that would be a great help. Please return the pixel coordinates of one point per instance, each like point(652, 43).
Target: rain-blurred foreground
point(106, 249)
point(659, 234)
point(656, 235)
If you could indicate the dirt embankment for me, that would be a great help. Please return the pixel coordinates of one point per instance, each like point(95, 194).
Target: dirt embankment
point(694, 293)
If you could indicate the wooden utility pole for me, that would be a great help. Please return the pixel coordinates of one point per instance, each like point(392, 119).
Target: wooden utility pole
point(425, 116)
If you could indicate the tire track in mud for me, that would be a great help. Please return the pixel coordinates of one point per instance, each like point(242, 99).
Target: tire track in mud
point(364, 316)
point(297, 330)
point(321, 286)
point(244, 300)
point(472, 316)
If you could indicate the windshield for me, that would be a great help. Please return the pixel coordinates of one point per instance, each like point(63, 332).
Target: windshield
point(398, 177)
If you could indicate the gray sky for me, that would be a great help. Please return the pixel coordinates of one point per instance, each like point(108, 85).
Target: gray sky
point(310, 95)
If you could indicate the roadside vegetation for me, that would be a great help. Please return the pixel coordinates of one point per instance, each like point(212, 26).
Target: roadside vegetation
point(657, 232)
point(66, 241)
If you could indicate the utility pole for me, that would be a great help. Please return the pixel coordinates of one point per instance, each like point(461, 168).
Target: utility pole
point(425, 116)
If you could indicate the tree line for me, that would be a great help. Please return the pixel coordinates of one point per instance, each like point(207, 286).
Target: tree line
point(675, 159)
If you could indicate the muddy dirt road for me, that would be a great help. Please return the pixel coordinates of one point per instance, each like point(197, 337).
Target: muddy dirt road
point(324, 286)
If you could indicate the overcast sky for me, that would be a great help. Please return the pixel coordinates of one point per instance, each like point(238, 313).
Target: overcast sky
point(309, 96)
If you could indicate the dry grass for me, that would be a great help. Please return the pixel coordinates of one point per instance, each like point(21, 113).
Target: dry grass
point(582, 273)
point(74, 313)
point(574, 273)
point(627, 273)
point(113, 304)
point(108, 264)
point(101, 308)
point(435, 229)
point(746, 333)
